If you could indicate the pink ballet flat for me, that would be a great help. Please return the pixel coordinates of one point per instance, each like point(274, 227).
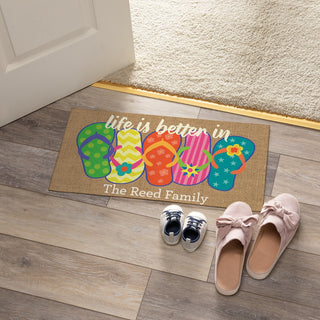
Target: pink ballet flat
point(234, 232)
point(280, 221)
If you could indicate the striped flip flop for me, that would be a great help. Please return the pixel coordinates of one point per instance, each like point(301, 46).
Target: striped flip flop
point(127, 164)
point(193, 166)
point(94, 148)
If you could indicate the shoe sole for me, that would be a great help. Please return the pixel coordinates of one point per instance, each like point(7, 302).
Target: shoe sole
point(261, 276)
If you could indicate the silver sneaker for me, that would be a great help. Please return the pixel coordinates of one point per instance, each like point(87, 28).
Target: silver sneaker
point(194, 230)
point(171, 222)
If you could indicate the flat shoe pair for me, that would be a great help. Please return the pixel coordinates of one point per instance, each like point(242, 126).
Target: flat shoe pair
point(191, 230)
point(280, 221)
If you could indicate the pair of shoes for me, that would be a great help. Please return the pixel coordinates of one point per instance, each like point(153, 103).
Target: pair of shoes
point(280, 221)
point(191, 230)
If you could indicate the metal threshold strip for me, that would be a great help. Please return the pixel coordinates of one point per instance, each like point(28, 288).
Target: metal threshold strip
point(210, 105)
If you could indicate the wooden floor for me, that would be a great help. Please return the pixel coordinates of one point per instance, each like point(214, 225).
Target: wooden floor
point(71, 256)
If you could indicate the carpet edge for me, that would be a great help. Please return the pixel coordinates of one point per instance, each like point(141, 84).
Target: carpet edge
point(306, 123)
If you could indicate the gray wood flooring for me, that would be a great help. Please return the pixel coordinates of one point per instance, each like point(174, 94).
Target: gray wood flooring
point(72, 256)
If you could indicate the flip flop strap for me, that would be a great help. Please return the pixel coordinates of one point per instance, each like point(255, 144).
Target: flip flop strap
point(113, 160)
point(116, 163)
point(137, 163)
point(243, 161)
point(200, 168)
point(91, 138)
point(241, 157)
point(180, 162)
point(156, 145)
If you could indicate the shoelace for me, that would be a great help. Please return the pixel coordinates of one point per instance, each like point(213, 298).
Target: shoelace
point(194, 223)
point(173, 214)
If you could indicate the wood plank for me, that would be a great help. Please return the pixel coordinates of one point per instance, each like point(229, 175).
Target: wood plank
point(272, 165)
point(295, 278)
point(284, 139)
point(100, 231)
point(173, 297)
point(154, 208)
point(81, 280)
point(20, 306)
point(31, 168)
point(43, 129)
point(209, 105)
point(299, 177)
point(109, 100)
point(307, 236)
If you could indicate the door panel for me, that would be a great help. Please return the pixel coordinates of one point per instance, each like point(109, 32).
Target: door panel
point(43, 30)
point(49, 49)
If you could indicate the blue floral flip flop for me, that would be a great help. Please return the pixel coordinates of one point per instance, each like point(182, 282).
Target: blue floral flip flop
point(95, 147)
point(229, 159)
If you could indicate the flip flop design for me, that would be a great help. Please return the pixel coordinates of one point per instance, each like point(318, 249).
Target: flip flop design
point(193, 166)
point(160, 155)
point(95, 147)
point(229, 159)
point(127, 164)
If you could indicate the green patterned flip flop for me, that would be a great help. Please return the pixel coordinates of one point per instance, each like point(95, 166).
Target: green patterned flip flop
point(95, 147)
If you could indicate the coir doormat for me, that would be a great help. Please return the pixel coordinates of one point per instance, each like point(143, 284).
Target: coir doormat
point(179, 160)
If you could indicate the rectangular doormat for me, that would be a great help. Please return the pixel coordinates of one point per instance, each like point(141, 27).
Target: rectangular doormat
point(179, 160)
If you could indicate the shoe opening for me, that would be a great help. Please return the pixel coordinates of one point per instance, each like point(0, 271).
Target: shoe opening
point(173, 226)
point(191, 233)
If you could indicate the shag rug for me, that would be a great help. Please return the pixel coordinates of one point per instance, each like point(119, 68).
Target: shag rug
point(261, 55)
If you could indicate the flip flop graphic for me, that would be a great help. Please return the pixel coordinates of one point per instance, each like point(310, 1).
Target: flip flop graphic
point(95, 147)
point(229, 159)
point(127, 164)
point(160, 155)
point(193, 166)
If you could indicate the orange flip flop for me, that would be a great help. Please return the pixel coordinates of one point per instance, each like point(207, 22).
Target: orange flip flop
point(160, 155)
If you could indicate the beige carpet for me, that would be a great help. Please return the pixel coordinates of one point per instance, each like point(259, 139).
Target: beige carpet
point(254, 54)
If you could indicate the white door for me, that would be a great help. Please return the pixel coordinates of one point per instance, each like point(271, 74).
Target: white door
point(51, 48)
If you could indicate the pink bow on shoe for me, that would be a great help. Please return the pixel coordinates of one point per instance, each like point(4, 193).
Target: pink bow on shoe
point(225, 223)
point(290, 219)
point(280, 221)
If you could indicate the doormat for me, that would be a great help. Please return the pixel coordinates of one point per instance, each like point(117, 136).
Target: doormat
point(179, 160)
